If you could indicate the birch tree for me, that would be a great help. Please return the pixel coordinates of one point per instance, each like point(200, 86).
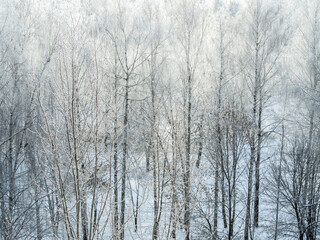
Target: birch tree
point(129, 41)
point(265, 42)
point(191, 22)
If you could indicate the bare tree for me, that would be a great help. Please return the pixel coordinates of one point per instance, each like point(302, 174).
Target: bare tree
point(129, 43)
point(266, 40)
point(192, 23)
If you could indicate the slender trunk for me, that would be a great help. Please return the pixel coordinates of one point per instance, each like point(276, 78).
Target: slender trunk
point(136, 211)
point(2, 194)
point(223, 196)
point(124, 161)
point(148, 149)
point(230, 230)
point(234, 181)
point(155, 203)
point(216, 200)
point(9, 227)
point(115, 190)
point(92, 224)
point(115, 166)
point(257, 137)
point(311, 232)
point(301, 236)
point(219, 131)
point(200, 142)
point(35, 187)
point(38, 219)
point(310, 181)
point(155, 165)
point(161, 184)
point(229, 182)
point(36, 180)
point(248, 207)
point(56, 215)
point(84, 215)
point(135, 205)
point(79, 158)
point(253, 138)
point(187, 214)
point(51, 206)
point(75, 148)
point(257, 169)
point(173, 216)
point(278, 184)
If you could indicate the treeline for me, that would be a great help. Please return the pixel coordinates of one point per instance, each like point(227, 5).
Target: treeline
point(187, 119)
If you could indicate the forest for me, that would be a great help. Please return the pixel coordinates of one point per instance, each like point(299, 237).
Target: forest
point(159, 119)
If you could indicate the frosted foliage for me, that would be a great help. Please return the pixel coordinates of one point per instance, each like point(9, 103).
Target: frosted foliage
point(141, 119)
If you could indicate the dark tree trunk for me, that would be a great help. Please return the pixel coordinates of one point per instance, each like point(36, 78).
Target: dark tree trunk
point(124, 161)
point(187, 214)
